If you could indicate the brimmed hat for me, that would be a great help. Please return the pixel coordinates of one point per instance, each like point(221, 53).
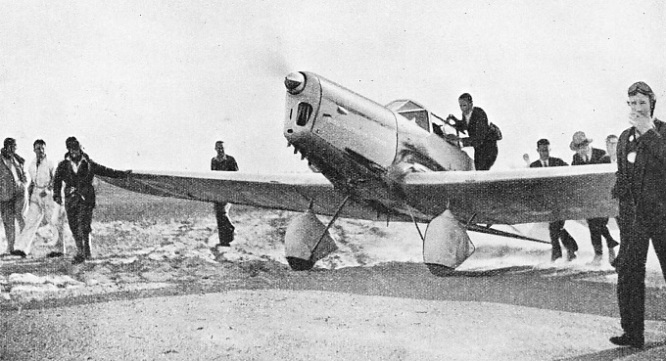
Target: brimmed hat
point(579, 140)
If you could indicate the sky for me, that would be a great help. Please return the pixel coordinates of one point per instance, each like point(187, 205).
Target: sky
point(151, 85)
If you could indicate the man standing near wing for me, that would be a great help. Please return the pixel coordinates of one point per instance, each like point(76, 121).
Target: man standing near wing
point(585, 154)
point(556, 228)
point(640, 188)
point(77, 171)
point(223, 162)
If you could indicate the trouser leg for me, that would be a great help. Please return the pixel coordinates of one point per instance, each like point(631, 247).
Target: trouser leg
point(58, 225)
point(554, 229)
point(484, 157)
point(33, 219)
point(73, 218)
point(568, 241)
point(8, 219)
point(595, 235)
point(631, 281)
point(85, 224)
point(659, 244)
point(225, 228)
point(19, 209)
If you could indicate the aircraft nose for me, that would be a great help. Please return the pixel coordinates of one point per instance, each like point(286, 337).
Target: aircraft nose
point(295, 82)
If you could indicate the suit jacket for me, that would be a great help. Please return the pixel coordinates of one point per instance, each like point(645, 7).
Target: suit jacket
point(647, 193)
point(78, 184)
point(477, 129)
point(598, 157)
point(8, 185)
point(552, 162)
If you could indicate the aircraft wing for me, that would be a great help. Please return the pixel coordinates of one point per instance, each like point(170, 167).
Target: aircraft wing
point(517, 196)
point(291, 192)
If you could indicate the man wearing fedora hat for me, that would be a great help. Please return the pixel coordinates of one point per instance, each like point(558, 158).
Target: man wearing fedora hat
point(640, 189)
point(77, 171)
point(585, 154)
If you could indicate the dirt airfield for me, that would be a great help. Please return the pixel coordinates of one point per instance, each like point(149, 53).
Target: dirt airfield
point(156, 291)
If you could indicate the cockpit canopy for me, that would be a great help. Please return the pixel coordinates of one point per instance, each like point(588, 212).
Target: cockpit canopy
point(417, 113)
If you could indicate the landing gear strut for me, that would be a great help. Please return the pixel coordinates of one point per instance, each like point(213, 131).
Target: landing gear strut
point(307, 239)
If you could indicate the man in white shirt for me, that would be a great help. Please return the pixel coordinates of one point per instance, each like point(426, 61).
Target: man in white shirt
point(41, 204)
point(12, 192)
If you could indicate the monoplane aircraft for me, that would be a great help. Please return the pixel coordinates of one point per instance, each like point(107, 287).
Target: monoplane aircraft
point(387, 163)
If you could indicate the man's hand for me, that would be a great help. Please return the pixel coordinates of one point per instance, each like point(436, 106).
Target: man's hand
point(641, 122)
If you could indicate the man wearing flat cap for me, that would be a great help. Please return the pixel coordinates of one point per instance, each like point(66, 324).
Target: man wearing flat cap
point(77, 171)
point(223, 162)
point(585, 154)
point(641, 190)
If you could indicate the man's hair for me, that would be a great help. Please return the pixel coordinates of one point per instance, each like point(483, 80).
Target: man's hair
point(72, 143)
point(612, 136)
point(543, 142)
point(465, 96)
point(9, 142)
point(39, 141)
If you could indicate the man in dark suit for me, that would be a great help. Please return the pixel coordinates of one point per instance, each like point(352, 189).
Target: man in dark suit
point(475, 122)
point(598, 226)
point(77, 172)
point(640, 188)
point(556, 228)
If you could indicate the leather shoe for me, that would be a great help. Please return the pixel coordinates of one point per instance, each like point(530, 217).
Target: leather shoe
point(571, 255)
point(54, 254)
point(18, 252)
point(626, 340)
point(79, 258)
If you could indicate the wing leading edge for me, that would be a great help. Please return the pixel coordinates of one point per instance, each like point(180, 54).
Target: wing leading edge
point(291, 192)
point(517, 196)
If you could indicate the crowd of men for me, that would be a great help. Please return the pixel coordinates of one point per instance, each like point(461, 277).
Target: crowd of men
point(583, 154)
point(640, 155)
point(47, 187)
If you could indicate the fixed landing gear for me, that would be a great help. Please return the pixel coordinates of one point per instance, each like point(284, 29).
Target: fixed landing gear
point(446, 244)
point(307, 240)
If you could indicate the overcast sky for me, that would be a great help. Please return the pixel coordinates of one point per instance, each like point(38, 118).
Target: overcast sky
point(152, 84)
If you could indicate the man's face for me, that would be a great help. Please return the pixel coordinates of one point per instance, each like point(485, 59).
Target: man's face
point(75, 153)
point(611, 146)
point(544, 151)
point(640, 103)
point(219, 147)
point(583, 150)
point(11, 148)
point(40, 151)
point(465, 106)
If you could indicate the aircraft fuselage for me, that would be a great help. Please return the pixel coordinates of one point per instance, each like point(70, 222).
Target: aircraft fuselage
point(363, 147)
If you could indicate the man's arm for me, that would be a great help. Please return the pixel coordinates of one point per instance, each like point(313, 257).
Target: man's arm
point(57, 183)
point(655, 144)
point(99, 169)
